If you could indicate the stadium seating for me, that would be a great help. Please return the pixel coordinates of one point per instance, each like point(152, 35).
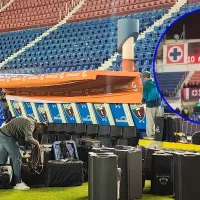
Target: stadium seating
point(104, 8)
point(28, 14)
point(76, 46)
point(176, 79)
point(81, 45)
point(195, 77)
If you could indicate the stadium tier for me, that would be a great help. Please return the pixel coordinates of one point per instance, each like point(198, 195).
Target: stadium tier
point(75, 46)
point(176, 80)
point(81, 45)
point(26, 14)
point(195, 78)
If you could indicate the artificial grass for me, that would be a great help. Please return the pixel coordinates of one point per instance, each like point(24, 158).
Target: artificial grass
point(70, 193)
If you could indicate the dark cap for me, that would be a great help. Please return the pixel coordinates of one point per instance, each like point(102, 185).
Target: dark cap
point(146, 74)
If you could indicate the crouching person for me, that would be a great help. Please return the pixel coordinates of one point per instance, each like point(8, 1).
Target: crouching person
point(10, 133)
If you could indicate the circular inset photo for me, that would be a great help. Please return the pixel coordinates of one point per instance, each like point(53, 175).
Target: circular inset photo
point(177, 67)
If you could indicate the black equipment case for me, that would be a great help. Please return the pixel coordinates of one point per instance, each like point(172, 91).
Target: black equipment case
point(64, 173)
point(186, 176)
point(196, 138)
point(5, 176)
point(166, 126)
point(86, 145)
point(103, 180)
point(162, 173)
point(130, 162)
point(147, 164)
point(30, 177)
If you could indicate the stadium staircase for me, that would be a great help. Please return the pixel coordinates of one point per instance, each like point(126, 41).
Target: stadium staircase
point(189, 76)
point(174, 9)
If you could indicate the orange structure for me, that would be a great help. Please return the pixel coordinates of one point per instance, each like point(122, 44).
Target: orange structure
point(79, 86)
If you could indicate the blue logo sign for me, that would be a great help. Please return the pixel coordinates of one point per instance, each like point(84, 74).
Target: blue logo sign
point(119, 114)
point(84, 113)
point(55, 113)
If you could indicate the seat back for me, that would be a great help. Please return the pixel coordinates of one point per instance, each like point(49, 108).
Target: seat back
point(129, 132)
point(49, 138)
point(71, 129)
point(61, 128)
point(81, 129)
point(104, 131)
point(116, 131)
point(51, 128)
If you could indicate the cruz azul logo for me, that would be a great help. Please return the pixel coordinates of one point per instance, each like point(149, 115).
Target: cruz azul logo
point(139, 112)
point(175, 54)
point(100, 109)
point(69, 110)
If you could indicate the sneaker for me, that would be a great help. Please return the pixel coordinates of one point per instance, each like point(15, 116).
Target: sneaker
point(21, 186)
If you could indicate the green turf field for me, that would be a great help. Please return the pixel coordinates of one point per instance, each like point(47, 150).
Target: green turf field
point(72, 193)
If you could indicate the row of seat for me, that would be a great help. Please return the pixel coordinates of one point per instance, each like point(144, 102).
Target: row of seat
point(79, 49)
point(121, 10)
point(144, 55)
point(58, 63)
point(50, 69)
point(195, 77)
point(32, 13)
point(109, 135)
point(176, 79)
point(143, 16)
point(148, 56)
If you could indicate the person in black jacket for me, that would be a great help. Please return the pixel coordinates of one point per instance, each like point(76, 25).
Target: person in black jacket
point(10, 133)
